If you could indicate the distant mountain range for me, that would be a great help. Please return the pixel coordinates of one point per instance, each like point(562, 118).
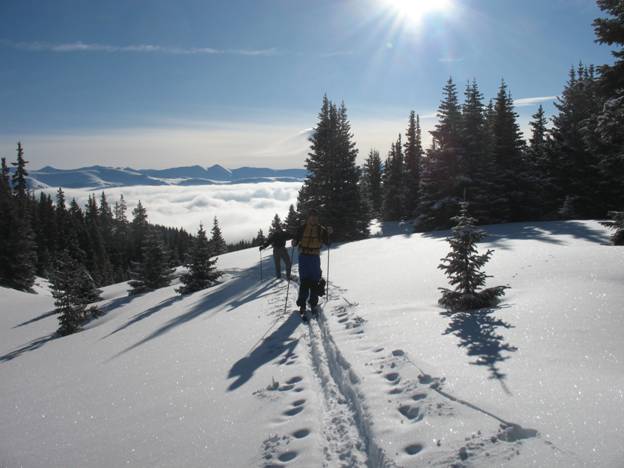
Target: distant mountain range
point(105, 177)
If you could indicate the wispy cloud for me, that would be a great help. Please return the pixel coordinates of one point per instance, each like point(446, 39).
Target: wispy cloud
point(531, 101)
point(450, 59)
point(79, 46)
point(337, 53)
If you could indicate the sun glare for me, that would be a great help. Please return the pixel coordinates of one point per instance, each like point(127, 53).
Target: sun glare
point(415, 10)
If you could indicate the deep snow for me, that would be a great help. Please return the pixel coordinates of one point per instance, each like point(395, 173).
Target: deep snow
point(224, 377)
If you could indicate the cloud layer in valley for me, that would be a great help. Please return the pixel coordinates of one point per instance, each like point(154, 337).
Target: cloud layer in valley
point(242, 209)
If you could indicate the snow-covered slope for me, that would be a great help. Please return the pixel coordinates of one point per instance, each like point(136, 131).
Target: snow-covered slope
point(381, 379)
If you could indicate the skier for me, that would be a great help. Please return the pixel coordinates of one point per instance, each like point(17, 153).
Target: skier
point(278, 241)
point(309, 238)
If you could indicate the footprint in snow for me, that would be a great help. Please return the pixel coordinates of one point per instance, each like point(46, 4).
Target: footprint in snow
point(294, 380)
point(393, 377)
point(293, 411)
point(413, 449)
point(287, 456)
point(301, 433)
point(411, 412)
point(398, 352)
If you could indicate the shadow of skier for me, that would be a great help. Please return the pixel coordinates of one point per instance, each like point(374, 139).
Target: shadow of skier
point(274, 345)
point(477, 332)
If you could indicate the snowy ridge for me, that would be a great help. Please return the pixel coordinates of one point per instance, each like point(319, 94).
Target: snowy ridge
point(100, 177)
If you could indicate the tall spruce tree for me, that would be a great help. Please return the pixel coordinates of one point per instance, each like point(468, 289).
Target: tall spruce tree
point(332, 186)
point(372, 176)
point(610, 31)
point(441, 186)
point(19, 250)
point(201, 265)
point(477, 166)
point(394, 193)
point(609, 137)
point(19, 182)
point(573, 163)
point(152, 271)
point(413, 163)
point(276, 224)
point(510, 187)
point(291, 223)
point(217, 241)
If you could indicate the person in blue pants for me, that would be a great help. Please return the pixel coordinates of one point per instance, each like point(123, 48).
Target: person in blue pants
point(309, 239)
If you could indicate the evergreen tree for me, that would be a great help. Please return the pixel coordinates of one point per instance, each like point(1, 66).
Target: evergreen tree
point(508, 154)
point(413, 163)
point(120, 210)
point(539, 132)
point(608, 140)
point(152, 271)
point(20, 184)
point(68, 300)
point(616, 224)
point(332, 186)
point(259, 240)
point(477, 168)
point(610, 31)
point(217, 241)
point(200, 263)
point(276, 224)
point(394, 200)
point(372, 176)
point(5, 182)
point(18, 250)
point(139, 227)
point(464, 267)
point(572, 162)
point(441, 187)
point(291, 223)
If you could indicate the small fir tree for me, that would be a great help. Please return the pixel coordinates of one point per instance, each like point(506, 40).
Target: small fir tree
point(68, 305)
point(291, 224)
point(616, 224)
point(152, 271)
point(464, 267)
point(219, 245)
point(200, 262)
point(276, 225)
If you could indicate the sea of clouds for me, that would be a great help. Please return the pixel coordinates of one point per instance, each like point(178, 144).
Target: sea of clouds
point(242, 209)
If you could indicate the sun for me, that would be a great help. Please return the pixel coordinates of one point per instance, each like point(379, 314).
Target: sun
point(415, 10)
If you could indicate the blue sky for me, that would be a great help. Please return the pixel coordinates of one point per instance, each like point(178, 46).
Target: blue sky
point(161, 83)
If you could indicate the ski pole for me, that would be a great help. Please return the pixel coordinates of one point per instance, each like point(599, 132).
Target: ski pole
point(261, 266)
point(292, 256)
point(327, 285)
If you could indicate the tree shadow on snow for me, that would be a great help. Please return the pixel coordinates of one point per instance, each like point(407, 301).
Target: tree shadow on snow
point(279, 342)
point(498, 234)
point(231, 293)
point(36, 319)
point(147, 313)
point(478, 332)
point(32, 346)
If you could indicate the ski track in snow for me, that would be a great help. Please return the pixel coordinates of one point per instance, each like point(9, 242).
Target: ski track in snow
point(346, 423)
